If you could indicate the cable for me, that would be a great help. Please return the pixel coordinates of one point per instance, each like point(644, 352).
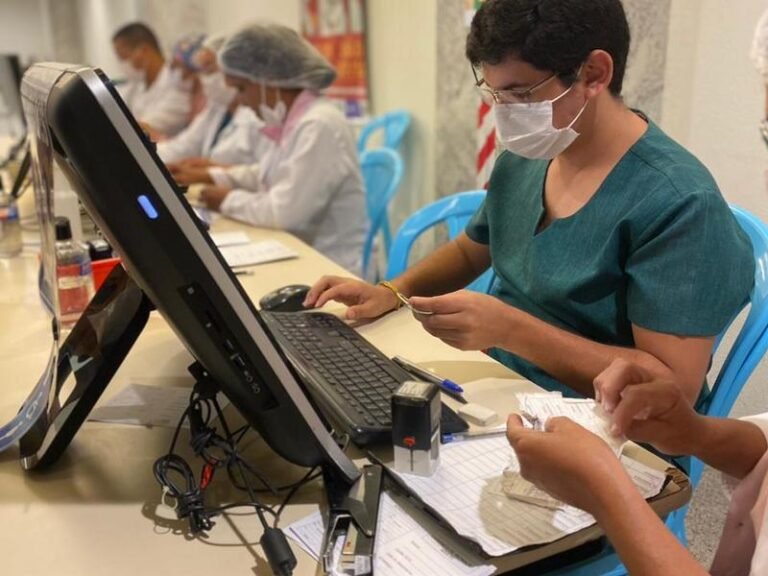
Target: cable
point(220, 450)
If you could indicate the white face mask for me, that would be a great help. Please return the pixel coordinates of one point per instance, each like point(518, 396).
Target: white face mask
point(216, 90)
point(273, 117)
point(129, 73)
point(526, 129)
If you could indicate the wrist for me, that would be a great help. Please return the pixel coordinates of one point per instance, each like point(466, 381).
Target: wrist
point(614, 497)
point(510, 327)
point(389, 292)
point(698, 433)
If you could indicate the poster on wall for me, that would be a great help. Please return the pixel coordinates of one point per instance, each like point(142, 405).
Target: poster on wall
point(337, 29)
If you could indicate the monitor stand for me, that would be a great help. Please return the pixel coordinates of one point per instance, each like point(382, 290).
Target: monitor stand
point(92, 353)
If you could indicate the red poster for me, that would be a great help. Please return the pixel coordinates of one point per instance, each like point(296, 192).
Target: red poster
point(337, 29)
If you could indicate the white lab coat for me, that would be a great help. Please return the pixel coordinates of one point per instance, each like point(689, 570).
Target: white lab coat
point(164, 106)
point(310, 184)
point(240, 142)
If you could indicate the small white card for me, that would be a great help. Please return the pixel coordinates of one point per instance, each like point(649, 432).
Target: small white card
point(222, 239)
point(257, 253)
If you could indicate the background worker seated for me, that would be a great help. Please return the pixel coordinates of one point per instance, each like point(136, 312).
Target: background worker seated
point(223, 133)
point(157, 96)
point(309, 183)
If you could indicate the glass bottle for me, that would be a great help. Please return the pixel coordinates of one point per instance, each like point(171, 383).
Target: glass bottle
point(74, 277)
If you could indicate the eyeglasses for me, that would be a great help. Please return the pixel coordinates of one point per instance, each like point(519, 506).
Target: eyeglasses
point(513, 96)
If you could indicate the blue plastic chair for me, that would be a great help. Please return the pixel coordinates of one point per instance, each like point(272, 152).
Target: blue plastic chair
point(747, 351)
point(749, 348)
point(394, 124)
point(455, 211)
point(382, 173)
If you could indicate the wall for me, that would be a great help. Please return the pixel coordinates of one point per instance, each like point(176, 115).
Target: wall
point(402, 56)
point(713, 98)
point(225, 15)
point(22, 31)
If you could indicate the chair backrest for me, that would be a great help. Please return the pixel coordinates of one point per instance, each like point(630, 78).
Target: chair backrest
point(455, 211)
point(394, 125)
point(382, 172)
point(752, 341)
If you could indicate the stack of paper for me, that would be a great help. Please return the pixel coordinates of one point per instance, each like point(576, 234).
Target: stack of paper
point(467, 491)
point(222, 239)
point(403, 546)
point(540, 407)
point(587, 412)
point(256, 253)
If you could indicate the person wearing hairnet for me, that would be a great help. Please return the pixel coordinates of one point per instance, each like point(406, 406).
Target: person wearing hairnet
point(224, 132)
point(185, 69)
point(155, 94)
point(309, 183)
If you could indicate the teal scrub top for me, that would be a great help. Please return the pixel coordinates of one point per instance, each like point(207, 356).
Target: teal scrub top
point(656, 246)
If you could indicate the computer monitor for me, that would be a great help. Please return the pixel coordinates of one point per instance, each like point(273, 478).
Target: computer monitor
point(78, 120)
point(11, 117)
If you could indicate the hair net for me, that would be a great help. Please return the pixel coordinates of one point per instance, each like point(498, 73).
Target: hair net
point(276, 56)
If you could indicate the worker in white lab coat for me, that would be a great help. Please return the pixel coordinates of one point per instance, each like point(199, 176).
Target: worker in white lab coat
point(309, 183)
point(157, 96)
point(224, 133)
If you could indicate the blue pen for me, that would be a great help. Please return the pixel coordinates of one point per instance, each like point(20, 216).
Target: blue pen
point(477, 433)
point(449, 386)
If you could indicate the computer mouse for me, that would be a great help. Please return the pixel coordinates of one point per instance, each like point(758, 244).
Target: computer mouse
point(286, 299)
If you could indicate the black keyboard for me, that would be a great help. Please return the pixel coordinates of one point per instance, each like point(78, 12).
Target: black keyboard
point(346, 375)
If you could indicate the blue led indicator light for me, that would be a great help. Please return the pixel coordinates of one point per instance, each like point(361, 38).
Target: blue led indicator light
point(146, 205)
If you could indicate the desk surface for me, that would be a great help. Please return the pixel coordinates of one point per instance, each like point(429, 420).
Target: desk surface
point(96, 510)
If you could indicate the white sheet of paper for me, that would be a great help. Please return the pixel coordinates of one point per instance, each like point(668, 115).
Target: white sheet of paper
point(143, 405)
point(466, 490)
point(586, 412)
point(403, 546)
point(222, 239)
point(257, 253)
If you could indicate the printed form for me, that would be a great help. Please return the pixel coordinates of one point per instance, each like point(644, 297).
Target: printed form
point(256, 253)
point(467, 491)
point(587, 412)
point(403, 546)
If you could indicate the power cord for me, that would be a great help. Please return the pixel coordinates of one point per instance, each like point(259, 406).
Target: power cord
point(220, 451)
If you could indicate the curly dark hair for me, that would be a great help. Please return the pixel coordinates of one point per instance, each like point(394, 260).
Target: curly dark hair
point(552, 35)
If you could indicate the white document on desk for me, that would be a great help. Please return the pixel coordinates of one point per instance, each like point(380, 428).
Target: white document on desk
point(403, 546)
point(222, 239)
point(256, 253)
point(583, 411)
point(466, 490)
point(143, 405)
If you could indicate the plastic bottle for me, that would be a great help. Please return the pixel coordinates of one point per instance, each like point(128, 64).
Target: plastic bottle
point(74, 277)
point(10, 228)
point(65, 203)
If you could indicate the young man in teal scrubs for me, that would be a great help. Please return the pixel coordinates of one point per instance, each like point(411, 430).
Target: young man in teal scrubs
point(608, 238)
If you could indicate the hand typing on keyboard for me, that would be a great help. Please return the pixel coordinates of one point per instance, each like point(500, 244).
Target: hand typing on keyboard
point(364, 300)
